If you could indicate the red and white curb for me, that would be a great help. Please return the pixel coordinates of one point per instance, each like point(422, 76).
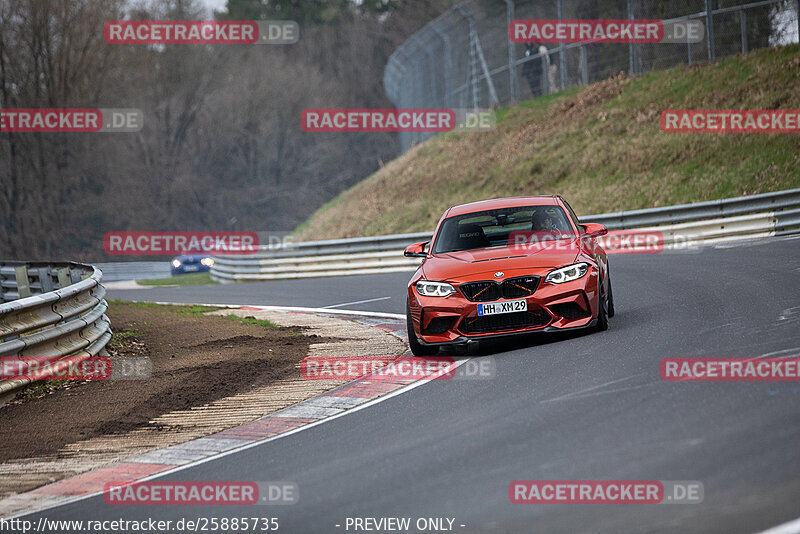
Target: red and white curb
point(341, 401)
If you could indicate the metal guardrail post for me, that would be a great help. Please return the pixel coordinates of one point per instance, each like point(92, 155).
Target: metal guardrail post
point(45, 279)
point(63, 277)
point(23, 283)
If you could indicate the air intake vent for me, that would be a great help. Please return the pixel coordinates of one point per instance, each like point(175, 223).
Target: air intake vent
point(504, 322)
point(488, 290)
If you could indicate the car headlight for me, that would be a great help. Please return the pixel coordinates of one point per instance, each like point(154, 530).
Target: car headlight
point(208, 262)
point(434, 289)
point(176, 263)
point(567, 274)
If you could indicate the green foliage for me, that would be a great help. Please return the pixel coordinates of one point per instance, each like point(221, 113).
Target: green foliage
point(600, 147)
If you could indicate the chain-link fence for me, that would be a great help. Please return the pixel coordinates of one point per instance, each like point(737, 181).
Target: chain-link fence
point(464, 59)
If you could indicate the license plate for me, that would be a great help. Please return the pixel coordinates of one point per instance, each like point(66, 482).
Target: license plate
point(189, 268)
point(506, 306)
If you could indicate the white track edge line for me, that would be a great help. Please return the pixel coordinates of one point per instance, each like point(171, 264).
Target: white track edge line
point(790, 527)
point(329, 311)
point(256, 443)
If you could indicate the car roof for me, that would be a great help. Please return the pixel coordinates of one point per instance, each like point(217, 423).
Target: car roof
point(508, 202)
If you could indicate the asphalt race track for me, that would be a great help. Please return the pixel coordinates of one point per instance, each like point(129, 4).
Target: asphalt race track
point(575, 407)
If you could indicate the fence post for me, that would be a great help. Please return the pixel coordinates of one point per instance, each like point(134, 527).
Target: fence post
point(584, 66)
point(429, 102)
point(743, 25)
point(562, 50)
point(546, 73)
point(473, 66)
point(419, 101)
point(475, 43)
point(632, 50)
point(797, 16)
point(448, 65)
point(513, 84)
point(710, 28)
point(403, 92)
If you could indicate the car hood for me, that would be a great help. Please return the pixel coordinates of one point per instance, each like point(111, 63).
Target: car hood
point(512, 261)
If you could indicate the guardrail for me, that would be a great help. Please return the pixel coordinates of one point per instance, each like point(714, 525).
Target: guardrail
point(749, 217)
point(134, 270)
point(54, 311)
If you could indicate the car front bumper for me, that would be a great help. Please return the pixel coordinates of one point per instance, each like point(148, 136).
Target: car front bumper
point(454, 320)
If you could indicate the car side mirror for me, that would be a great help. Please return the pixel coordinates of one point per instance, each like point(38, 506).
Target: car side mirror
point(594, 229)
point(417, 250)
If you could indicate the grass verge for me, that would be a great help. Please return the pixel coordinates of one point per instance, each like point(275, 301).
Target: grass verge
point(191, 279)
point(599, 146)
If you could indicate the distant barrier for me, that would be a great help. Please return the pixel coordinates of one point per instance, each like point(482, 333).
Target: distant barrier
point(750, 217)
point(134, 270)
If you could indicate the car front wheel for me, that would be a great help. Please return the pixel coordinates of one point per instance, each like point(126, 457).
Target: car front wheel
point(417, 348)
point(602, 313)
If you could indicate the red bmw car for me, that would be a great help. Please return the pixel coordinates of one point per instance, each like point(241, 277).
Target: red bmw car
point(504, 267)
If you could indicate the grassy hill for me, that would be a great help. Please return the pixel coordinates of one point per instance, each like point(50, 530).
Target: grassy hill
point(598, 146)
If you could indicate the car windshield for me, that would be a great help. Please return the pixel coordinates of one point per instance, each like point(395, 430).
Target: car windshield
point(496, 228)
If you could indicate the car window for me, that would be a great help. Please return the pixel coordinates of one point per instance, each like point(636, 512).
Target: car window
point(492, 228)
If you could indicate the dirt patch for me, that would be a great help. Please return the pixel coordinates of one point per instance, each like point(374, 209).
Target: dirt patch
point(196, 360)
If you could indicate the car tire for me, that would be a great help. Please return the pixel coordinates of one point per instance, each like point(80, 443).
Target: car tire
point(417, 348)
point(602, 312)
point(610, 297)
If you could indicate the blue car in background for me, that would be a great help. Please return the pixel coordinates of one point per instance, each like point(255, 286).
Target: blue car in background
point(191, 264)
